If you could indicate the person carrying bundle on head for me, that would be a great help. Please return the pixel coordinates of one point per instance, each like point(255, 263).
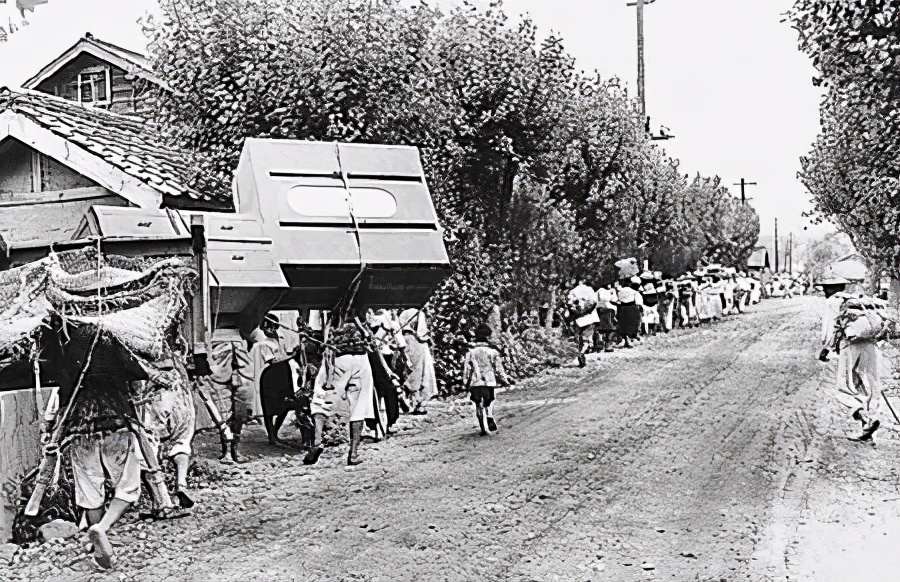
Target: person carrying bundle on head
point(629, 304)
point(581, 303)
point(606, 314)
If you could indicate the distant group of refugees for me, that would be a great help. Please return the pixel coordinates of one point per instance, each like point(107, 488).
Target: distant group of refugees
point(781, 284)
point(641, 304)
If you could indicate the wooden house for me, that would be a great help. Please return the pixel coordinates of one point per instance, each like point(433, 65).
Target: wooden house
point(98, 74)
point(59, 158)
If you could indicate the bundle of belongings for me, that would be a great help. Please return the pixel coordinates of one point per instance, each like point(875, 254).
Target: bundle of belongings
point(865, 319)
point(107, 330)
point(628, 268)
point(581, 301)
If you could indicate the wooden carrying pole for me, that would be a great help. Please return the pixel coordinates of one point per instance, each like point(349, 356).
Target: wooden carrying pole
point(40, 411)
point(214, 413)
point(48, 462)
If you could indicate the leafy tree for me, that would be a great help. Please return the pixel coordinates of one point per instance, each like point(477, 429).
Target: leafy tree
point(12, 15)
point(542, 173)
point(853, 168)
point(819, 253)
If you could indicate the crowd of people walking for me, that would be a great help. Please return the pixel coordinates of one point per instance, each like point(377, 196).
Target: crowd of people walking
point(645, 303)
point(363, 373)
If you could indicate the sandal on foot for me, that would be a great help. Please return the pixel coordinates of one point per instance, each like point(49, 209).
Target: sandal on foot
point(312, 457)
point(164, 514)
point(103, 550)
point(184, 500)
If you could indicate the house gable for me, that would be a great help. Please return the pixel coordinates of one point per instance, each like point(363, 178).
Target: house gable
point(99, 74)
point(41, 199)
point(23, 129)
point(27, 172)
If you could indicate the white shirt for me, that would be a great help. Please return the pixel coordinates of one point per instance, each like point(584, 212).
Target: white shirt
point(629, 295)
point(295, 373)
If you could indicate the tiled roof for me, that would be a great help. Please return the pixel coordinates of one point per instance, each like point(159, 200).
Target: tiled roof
point(127, 143)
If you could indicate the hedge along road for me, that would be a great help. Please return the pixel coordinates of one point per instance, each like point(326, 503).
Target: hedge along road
point(687, 458)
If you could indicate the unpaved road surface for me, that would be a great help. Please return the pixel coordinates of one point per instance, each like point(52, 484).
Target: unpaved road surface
point(707, 454)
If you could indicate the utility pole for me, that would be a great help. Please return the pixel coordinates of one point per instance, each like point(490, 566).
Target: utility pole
point(742, 184)
point(640, 52)
point(791, 254)
point(776, 245)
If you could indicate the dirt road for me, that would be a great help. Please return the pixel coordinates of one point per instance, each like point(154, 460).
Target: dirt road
point(709, 454)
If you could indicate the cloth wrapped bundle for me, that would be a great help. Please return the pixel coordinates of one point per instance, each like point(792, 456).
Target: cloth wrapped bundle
point(348, 340)
point(581, 301)
point(866, 319)
point(139, 301)
point(628, 268)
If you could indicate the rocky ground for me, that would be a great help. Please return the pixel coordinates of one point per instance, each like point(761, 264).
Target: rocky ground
point(709, 454)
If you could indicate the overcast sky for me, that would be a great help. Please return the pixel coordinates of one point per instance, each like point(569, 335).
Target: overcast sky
point(724, 75)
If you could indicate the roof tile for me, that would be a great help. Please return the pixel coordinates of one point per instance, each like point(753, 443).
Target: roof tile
point(125, 142)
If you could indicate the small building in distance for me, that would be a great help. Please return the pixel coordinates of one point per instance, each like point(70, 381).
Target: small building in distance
point(98, 74)
point(759, 260)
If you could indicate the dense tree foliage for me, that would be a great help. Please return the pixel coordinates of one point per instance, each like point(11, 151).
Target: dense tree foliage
point(854, 167)
point(541, 172)
point(13, 13)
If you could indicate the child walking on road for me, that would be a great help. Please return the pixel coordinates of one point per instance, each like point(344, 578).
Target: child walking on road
point(482, 373)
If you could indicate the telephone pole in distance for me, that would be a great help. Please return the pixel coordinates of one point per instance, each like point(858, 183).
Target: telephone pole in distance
point(743, 183)
point(640, 54)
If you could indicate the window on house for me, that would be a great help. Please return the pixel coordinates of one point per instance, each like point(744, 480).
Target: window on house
point(93, 85)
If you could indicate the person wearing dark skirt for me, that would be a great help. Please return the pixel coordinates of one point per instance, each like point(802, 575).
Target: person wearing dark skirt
point(629, 310)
